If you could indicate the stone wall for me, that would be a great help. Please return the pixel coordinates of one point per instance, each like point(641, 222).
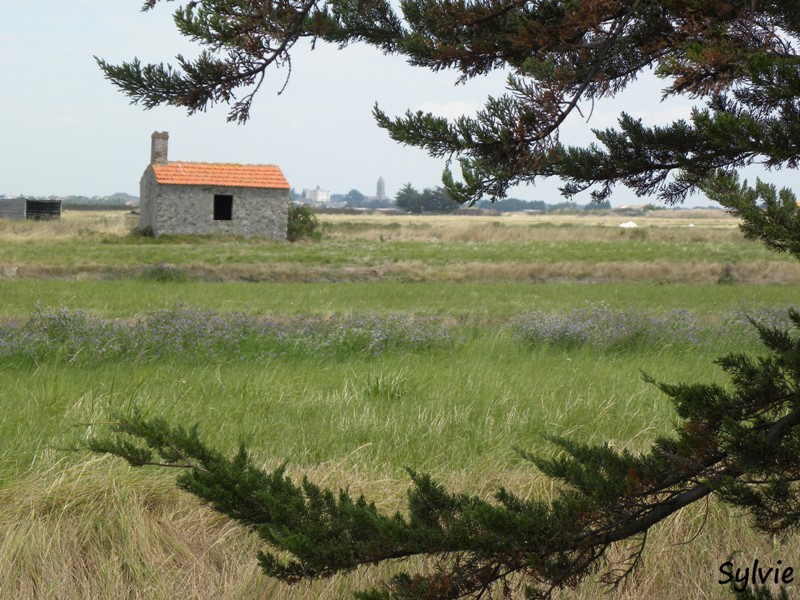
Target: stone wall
point(12, 208)
point(148, 190)
point(189, 209)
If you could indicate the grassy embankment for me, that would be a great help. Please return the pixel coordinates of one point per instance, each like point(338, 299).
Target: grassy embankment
point(77, 526)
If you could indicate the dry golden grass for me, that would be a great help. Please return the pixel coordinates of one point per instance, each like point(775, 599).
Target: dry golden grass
point(659, 271)
point(98, 530)
point(657, 226)
point(90, 229)
point(73, 223)
point(663, 218)
point(694, 272)
point(664, 225)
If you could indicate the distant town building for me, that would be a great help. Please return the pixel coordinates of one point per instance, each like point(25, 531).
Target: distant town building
point(381, 189)
point(317, 196)
point(380, 199)
point(190, 197)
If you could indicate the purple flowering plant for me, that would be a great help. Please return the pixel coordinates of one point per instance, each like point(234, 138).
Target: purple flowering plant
point(602, 327)
point(201, 334)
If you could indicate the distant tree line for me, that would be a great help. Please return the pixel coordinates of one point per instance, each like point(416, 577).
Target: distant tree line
point(517, 205)
point(429, 200)
point(437, 200)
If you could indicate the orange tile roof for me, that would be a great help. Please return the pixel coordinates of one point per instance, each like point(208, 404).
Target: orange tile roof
point(221, 174)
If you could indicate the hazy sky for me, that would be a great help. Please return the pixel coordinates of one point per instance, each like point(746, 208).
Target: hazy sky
point(66, 130)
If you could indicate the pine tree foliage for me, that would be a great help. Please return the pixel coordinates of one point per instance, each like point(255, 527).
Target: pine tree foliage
point(738, 56)
point(741, 442)
point(768, 214)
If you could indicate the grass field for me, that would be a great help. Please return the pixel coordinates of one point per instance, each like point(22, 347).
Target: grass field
point(404, 249)
point(338, 408)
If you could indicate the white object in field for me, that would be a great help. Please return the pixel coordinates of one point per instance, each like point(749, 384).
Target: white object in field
point(628, 225)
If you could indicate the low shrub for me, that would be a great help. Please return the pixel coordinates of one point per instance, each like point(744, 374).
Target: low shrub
point(165, 274)
point(303, 223)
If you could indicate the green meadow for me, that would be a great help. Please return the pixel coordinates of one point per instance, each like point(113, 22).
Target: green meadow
point(452, 388)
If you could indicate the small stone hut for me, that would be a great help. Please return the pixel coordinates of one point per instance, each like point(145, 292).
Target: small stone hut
point(191, 197)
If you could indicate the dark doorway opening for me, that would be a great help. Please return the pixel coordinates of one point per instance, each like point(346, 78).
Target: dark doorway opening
point(223, 207)
point(42, 209)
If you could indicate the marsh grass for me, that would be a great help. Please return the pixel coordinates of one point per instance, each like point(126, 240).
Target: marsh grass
point(477, 302)
point(100, 530)
point(73, 224)
point(521, 229)
point(165, 274)
point(400, 248)
point(76, 526)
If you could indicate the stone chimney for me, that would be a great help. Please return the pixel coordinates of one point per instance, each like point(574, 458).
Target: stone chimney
point(159, 148)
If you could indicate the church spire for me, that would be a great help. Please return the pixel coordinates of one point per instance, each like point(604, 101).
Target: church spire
point(381, 195)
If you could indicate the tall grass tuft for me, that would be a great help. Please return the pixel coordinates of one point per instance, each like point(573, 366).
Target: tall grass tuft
point(165, 274)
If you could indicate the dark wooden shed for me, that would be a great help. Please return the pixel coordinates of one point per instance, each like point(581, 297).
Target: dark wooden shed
point(29, 208)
